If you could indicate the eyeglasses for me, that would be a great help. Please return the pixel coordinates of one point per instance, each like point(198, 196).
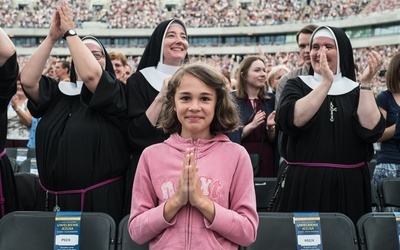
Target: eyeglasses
point(97, 54)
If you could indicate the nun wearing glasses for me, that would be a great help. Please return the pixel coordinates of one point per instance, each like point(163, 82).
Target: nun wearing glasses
point(82, 155)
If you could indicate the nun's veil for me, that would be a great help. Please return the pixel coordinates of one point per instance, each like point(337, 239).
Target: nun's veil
point(345, 56)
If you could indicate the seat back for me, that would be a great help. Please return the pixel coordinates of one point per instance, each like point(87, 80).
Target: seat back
point(265, 188)
point(388, 191)
point(125, 241)
point(11, 152)
point(14, 164)
point(375, 202)
point(276, 231)
point(31, 196)
point(255, 163)
point(31, 152)
point(378, 230)
point(21, 153)
point(371, 167)
point(35, 230)
point(25, 166)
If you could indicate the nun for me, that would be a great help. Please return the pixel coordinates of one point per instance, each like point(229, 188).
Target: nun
point(9, 70)
point(82, 154)
point(329, 123)
point(165, 52)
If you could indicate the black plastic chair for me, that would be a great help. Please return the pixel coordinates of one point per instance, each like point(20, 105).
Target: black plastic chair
point(14, 164)
point(265, 188)
point(377, 231)
point(35, 231)
point(13, 152)
point(388, 191)
point(375, 202)
point(25, 166)
point(371, 167)
point(276, 231)
point(125, 241)
point(31, 196)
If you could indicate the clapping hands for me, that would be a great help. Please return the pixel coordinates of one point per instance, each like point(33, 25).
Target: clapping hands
point(374, 64)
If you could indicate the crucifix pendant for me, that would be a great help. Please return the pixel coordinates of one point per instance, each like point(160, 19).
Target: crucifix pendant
point(332, 109)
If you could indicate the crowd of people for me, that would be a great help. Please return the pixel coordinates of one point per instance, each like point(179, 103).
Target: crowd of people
point(222, 13)
point(108, 121)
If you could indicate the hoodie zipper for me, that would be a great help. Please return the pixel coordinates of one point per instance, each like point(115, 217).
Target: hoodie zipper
point(188, 240)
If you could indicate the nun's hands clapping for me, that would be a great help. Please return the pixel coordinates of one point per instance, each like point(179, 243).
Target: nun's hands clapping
point(164, 89)
point(66, 18)
point(374, 64)
point(326, 72)
point(55, 31)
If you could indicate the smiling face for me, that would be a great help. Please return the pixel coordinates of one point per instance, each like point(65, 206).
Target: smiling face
point(119, 68)
point(256, 75)
point(195, 107)
point(331, 53)
point(175, 45)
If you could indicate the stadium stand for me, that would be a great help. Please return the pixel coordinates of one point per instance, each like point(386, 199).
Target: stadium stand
point(216, 28)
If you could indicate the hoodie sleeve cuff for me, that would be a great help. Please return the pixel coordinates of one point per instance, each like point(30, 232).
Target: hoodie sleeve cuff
point(157, 223)
point(222, 221)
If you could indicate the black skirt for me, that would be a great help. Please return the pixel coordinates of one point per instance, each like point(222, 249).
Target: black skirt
point(324, 189)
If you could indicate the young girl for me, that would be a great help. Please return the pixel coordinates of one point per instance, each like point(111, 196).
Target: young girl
point(195, 190)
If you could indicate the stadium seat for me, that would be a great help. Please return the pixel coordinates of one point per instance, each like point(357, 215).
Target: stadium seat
point(375, 197)
point(371, 166)
point(124, 239)
point(25, 166)
point(377, 231)
point(35, 231)
point(13, 152)
point(276, 231)
point(388, 191)
point(14, 164)
point(255, 163)
point(31, 196)
point(265, 188)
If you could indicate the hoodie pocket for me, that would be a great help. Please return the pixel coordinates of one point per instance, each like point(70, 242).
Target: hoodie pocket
point(171, 238)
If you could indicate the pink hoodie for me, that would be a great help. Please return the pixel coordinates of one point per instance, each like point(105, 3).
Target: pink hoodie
point(226, 176)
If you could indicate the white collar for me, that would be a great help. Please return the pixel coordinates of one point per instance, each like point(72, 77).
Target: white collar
point(70, 88)
point(156, 75)
point(341, 85)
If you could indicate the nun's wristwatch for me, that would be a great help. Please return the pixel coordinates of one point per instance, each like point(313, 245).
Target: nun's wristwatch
point(69, 33)
point(368, 87)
